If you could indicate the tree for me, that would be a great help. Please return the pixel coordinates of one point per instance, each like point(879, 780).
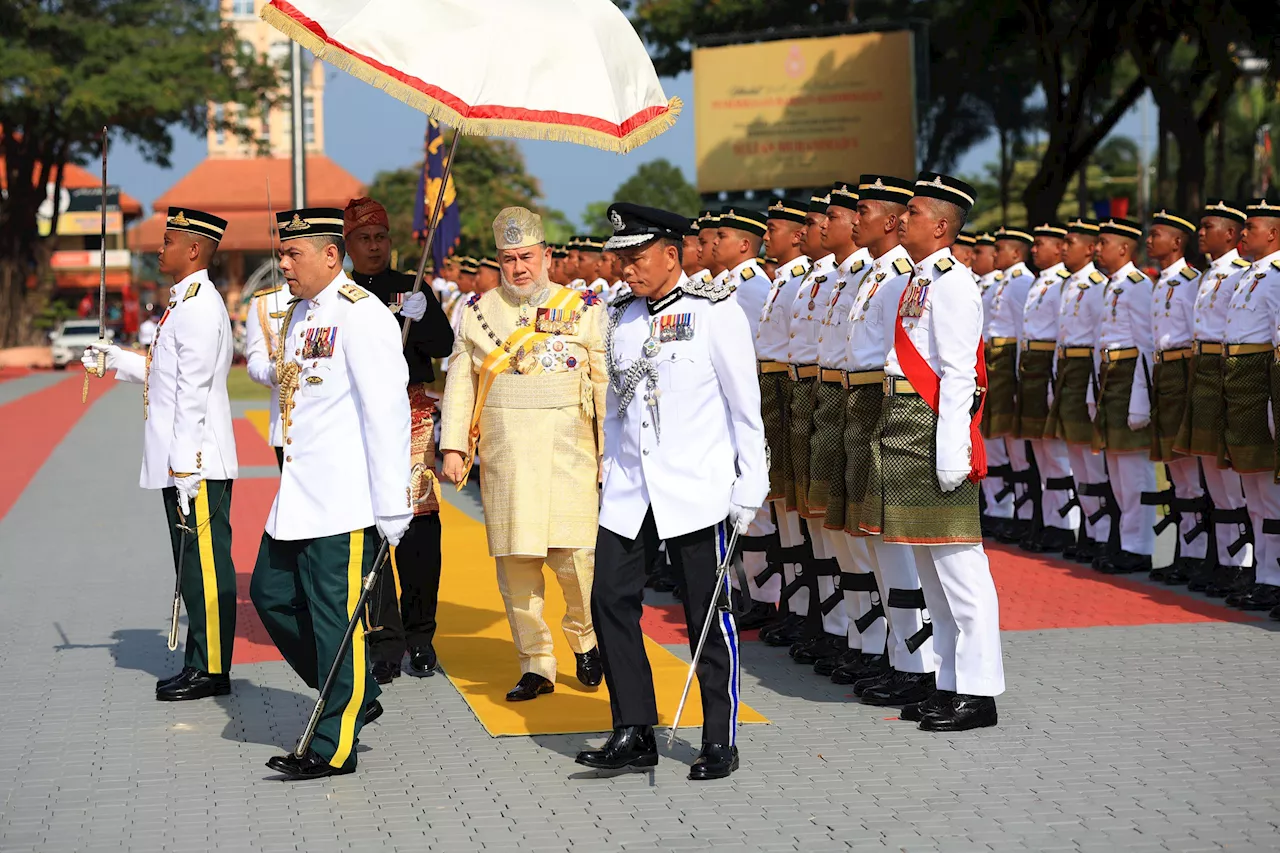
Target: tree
point(658, 183)
point(70, 67)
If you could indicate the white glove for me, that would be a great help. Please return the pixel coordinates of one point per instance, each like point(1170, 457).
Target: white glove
point(272, 373)
point(741, 517)
point(392, 527)
point(949, 481)
point(1139, 421)
point(188, 487)
point(90, 357)
point(414, 307)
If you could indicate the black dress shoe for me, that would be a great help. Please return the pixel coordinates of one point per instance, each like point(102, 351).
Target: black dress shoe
point(716, 761)
point(372, 711)
point(1274, 615)
point(760, 614)
point(784, 632)
point(1199, 575)
point(197, 685)
point(186, 673)
point(1012, 531)
point(903, 689)
point(1125, 563)
point(917, 711)
point(1158, 573)
point(1179, 573)
point(1260, 596)
point(628, 747)
point(828, 665)
point(422, 661)
point(1055, 539)
point(1086, 550)
point(309, 766)
point(811, 651)
point(964, 712)
point(384, 671)
point(1228, 579)
point(590, 669)
point(530, 686)
point(872, 681)
point(866, 666)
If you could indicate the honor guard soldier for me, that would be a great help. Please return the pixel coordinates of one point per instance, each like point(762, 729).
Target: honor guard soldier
point(929, 459)
point(1123, 404)
point(591, 264)
point(865, 582)
point(962, 250)
point(404, 602)
point(1053, 526)
point(1172, 321)
point(739, 234)
point(345, 483)
point(1221, 224)
point(691, 257)
point(1071, 412)
point(261, 345)
point(997, 513)
point(1248, 440)
point(188, 448)
point(707, 224)
point(684, 460)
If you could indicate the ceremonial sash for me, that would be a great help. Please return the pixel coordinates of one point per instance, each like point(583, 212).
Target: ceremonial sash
point(498, 361)
point(927, 385)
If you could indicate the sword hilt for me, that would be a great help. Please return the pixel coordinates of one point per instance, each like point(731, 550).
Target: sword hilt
point(173, 624)
point(304, 742)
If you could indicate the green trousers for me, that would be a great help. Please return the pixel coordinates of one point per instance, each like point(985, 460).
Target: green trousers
point(306, 591)
point(208, 575)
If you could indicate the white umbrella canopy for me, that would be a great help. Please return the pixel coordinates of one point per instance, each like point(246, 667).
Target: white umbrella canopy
point(569, 70)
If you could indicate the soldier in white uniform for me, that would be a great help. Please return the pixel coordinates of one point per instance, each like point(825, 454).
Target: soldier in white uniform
point(1203, 420)
point(707, 224)
point(345, 483)
point(929, 460)
point(997, 514)
point(739, 234)
point(684, 460)
point(188, 448)
point(261, 344)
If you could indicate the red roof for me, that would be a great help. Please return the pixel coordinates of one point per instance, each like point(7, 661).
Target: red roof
point(78, 178)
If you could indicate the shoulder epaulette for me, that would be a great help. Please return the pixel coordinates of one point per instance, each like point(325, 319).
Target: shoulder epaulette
point(1097, 277)
point(1188, 273)
point(352, 293)
point(706, 277)
point(709, 290)
point(1241, 262)
point(945, 264)
point(999, 275)
point(857, 266)
point(902, 266)
point(798, 270)
point(268, 291)
point(1276, 264)
point(748, 273)
point(1135, 276)
point(192, 290)
point(1062, 273)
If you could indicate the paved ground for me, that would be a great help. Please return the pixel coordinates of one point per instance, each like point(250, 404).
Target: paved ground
point(1138, 738)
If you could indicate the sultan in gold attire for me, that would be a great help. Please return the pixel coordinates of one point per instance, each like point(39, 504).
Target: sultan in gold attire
point(526, 386)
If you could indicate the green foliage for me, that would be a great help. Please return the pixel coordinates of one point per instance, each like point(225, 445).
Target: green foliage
point(658, 183)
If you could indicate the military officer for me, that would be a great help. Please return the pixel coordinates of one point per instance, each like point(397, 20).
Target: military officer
point(188, 448)
point(1171, 326)
point(345, 483)
point(739, 234)
point(684, 460)
point(929, 460)
point(1221, 222)
point(404, 603)
point(261, 342)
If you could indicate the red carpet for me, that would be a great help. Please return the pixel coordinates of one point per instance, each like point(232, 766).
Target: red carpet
point(250, 448)
point(13, 372)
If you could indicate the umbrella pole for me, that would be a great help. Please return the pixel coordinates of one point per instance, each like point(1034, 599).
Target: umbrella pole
point(436, 211)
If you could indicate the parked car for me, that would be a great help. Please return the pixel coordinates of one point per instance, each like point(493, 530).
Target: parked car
point(70, 339)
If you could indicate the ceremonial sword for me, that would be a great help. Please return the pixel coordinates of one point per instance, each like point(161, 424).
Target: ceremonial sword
point(101, 368)
point(177, 584)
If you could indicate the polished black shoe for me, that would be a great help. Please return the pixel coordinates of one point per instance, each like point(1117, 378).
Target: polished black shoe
point(1179, 573)
point(1157, 574)
point(1199, 575)
point(1260, 596)
point(866, 666)
point(372, 711)
point(903, 689)
point(1032, 542)
point(873, 681)
point(809, 652)
point(1086, 550)
point(785, 631)
point(197, 685)
point(187, 671)
point(760, 614)
point(964, 712)
point(422, 661)
point(1125, 563)
point(590, 669)
point(716, 761)
point(1012, 531)
point(309, 766)
point(1228, 579)
point(828, 665)
point(1055, 539)
point(1274, 615)
point(530, 686)
point(917, 711)
point(628, 747)
point(384, 671)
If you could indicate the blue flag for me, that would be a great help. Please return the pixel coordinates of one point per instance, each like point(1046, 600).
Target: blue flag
point(449, 229)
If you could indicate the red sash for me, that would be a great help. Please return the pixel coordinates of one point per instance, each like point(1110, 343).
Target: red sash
point(926, 382)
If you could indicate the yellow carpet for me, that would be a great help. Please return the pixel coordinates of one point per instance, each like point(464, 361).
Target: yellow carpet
point(474, 644)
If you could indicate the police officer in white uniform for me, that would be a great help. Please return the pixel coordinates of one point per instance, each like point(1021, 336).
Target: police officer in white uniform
point(684, 461)
point(188, 448)
point(261, 344)
point(345, 482)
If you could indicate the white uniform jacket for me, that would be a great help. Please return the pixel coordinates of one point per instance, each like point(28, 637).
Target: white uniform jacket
point(347, 439)
point(1213, 296)
point(702, 446)
point(773, 331)
point(833, 314)
point(751, 288)
point(188, 414)
point(1126, 322)
point(874, 313)
point(260, 346)
point(1173, 306)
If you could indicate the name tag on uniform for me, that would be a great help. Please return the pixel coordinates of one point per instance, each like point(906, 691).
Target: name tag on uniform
point(671, 327)
point(319, 342)
point(557, 321)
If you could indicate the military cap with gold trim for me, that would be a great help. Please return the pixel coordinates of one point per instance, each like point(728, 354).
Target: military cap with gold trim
point(1050, 229)
point(963, 239)
point(1008, 232)
point(788, 209)
point(309, 222)
point(945, 188)
point(1174, 220)
point(1122, 228)
point(885, 188)
point(819, 202)
point(558, 251)
point(195, 222)
point(984, 239)
point(743, 219)
point(468, 265)
point(1262, 207)
point(708, 219)
point(591, 244)
point(843, 194)
point(490, 263)
point(1088, 227)
point(637, 225)
point(1224, 208)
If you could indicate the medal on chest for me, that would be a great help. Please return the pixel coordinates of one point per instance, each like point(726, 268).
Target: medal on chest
point(557, 321)
point(1257, 279)
point(813, 291)
point(146, 372)
point(914, 297)
point(667, 329)
point(319, 341)
point(866, 301)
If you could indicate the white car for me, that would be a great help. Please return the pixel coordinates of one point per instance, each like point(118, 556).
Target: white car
point(70, 339)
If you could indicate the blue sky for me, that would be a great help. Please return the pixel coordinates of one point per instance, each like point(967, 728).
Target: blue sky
point(367, 131)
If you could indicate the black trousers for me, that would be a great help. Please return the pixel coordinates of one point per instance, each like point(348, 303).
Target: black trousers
point(279, 457)
point(617, 602)
point(409, 622)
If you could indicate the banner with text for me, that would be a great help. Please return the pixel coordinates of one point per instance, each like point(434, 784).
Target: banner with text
point(805, 112)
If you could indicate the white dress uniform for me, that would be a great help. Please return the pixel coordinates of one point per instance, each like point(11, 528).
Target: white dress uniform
point(1006, 321)
point(1125, 323)
point(260, 346)
point(997, 453)
point(187, 411)
point(750, 287)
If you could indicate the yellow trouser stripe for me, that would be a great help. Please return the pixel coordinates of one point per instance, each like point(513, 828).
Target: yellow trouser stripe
point(208, 580)
point(355, 705)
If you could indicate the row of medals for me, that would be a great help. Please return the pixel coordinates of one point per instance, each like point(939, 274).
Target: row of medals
point(551, 354)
